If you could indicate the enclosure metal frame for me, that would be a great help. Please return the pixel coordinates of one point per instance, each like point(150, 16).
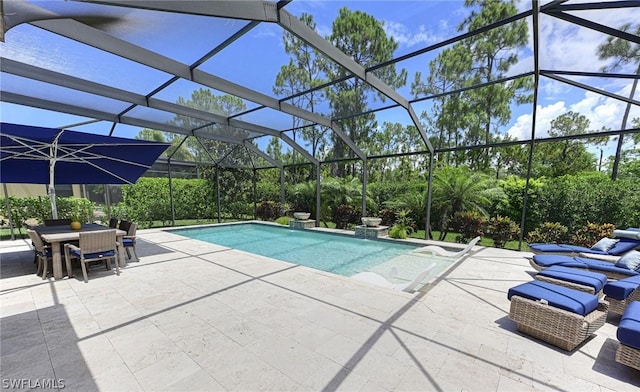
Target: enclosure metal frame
point(257, 12)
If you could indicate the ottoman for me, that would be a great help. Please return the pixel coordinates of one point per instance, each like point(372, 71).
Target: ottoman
point(558, 315)
point(622, 292)
point(628, 334)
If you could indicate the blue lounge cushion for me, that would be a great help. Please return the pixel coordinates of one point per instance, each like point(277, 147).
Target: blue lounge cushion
point(574, 275)
point(605, 266)
point(621, 289)
point(551, 260)
point(573, 301)
point(558, 248)
point(128, 242)
point(629, 327)
point(630, 260)
point(605, 244)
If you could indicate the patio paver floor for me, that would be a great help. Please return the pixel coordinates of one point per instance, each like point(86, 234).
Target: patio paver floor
point(194, 316)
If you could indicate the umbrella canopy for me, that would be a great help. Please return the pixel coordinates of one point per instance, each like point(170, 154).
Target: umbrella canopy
point(36, 155)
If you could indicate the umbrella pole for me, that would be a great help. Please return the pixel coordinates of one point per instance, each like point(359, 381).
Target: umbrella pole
point(52, 196)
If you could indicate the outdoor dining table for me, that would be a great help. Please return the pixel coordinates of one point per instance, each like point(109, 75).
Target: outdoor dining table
point(58, 235)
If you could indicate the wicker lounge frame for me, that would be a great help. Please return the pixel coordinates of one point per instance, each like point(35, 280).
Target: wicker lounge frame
point(555, 326)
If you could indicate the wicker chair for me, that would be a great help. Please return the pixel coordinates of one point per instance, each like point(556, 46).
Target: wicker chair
point(129, 241)
point(113, 223)
point(94, 246)
point(43, 253)
point(559, 327)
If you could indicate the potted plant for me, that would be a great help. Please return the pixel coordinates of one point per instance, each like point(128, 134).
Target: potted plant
point(76, 217)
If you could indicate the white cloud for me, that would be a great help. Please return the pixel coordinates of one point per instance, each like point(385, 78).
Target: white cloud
point(601, 111)
point(521, 130)
point(403, 36)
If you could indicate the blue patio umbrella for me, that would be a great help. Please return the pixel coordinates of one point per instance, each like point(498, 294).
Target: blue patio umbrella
point(37, 155)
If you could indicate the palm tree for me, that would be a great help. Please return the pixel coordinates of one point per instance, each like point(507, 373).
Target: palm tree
point(456, 189)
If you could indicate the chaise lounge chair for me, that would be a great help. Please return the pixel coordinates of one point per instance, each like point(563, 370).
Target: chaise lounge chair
point(379, 280)
point(623, 242)
point(558, 315)
point(628, 335)
point(439, 251)
point(540, 262)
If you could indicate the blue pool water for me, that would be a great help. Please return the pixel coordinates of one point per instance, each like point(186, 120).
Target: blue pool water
point(339, 254)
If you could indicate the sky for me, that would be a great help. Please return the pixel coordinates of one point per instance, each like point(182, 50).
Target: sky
point(255, 59)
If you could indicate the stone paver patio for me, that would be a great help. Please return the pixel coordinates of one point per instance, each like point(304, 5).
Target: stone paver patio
point(192, 316)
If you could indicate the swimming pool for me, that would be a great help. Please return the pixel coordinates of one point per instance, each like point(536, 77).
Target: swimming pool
point(336, 253)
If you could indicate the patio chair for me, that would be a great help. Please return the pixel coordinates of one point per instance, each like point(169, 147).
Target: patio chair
point(621, 293)
point(129, 241)
point(557, 315)
point(379, 280)
point(628, 334)
point(94, 246)
point(113, 223)
point(43, 253)
point(439, 251)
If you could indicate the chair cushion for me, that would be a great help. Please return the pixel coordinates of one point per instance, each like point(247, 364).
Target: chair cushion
point(46, 253)
point(76, 252)
point(574, 275)
point(605, 244)
point(629, 327)
point(128, 242)
point(630, 260)
point(551, 260)
point(621, 289)
point(573, 301)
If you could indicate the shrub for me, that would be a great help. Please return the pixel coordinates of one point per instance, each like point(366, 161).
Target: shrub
point(269, 210)
point(403, 225)
point(397, 231)
point(590, 234)
point(388, 216)
point(502, 229)
point(345, 214)
point(549, 232)
point(283, 220)
point(469, 224)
